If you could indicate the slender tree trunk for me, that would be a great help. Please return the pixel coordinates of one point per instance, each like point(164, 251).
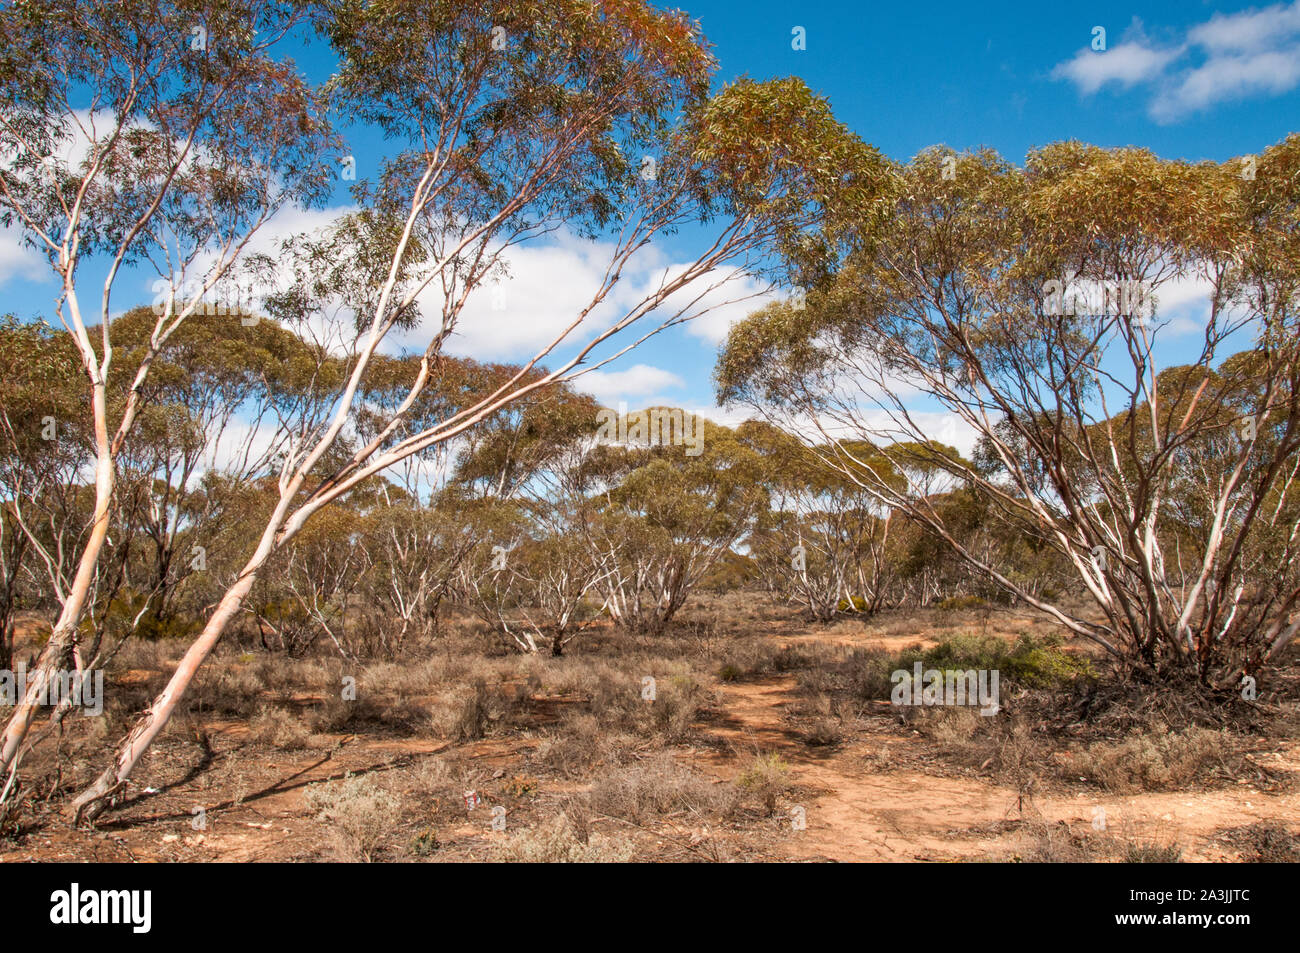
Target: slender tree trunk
point(92, 801)
point(6, 631)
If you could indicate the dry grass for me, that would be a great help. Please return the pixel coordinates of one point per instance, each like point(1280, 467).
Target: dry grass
point(556, 841)
point(660, 786)
point(1155, 761)
point(766, 779)
point(279, 728)
point(590, 770)
point(361, 815)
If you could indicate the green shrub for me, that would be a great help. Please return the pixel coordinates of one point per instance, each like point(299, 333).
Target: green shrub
point(855, 604)
point(1044, 664)
point(1031, 662)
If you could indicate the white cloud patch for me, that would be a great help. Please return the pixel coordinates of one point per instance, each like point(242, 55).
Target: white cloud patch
point(548, 285)
point(1226, 78)
point(716, 301)
point(18, 260)
point(1227, 58)
point(629, 385)
point(1248, 31)
point(544, 291)
point(1125, 65)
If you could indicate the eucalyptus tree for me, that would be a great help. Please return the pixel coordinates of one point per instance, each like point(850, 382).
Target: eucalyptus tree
point(824, 539)
point(1025, 303)
point(45, 444)
point(508, 122)
point(538, 589)
point(669, 515)
point(213, 415)
point(153, 137)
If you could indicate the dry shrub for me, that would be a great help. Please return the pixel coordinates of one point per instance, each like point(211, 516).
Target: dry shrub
point(957, 730)
point(897, 629)
point(13, 812)
point(361, 815)
point(434, 775)
point(752, 658)
point(1056, 844)
point(278, 728)
point(659, 786)
point(1267, 842)
point(471, 712)
point(558, 842)
point(675, 707)
point(338, 714)
point(1151, 852)
point(823, 720)
point(580, 744)
point(522, 786)
point(334, 715)
point(817, 681)
point(867, 672)
point(617, 703)
point(1153, 761)
point(823, 731)
point(227, 689)
point(766, 779)
point(1004, 744)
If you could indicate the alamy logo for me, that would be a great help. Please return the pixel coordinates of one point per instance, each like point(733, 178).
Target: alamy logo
point(75, 906)
point(938, 687)
point(84, 690)
point(1131, 298)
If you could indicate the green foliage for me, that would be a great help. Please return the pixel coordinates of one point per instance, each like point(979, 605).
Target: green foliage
point(1042, 663)
point(1029, 661)
point(956, 287)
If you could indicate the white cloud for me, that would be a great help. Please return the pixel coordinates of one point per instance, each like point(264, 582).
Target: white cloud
point(1225, 78)
point(729, 305)
point(546, 288)
point(1227, 58)
point(1125, 65)
point(629, 384)
point(549, 285)
point(1247, 31)
point(18, 260)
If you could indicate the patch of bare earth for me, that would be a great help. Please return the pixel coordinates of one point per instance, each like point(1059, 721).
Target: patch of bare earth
point(867, 801)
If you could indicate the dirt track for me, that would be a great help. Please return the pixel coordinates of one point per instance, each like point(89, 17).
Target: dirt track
point(859, 808)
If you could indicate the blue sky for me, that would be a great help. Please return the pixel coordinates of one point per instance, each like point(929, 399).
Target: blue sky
point(1186, 79)
point(1189, 80)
